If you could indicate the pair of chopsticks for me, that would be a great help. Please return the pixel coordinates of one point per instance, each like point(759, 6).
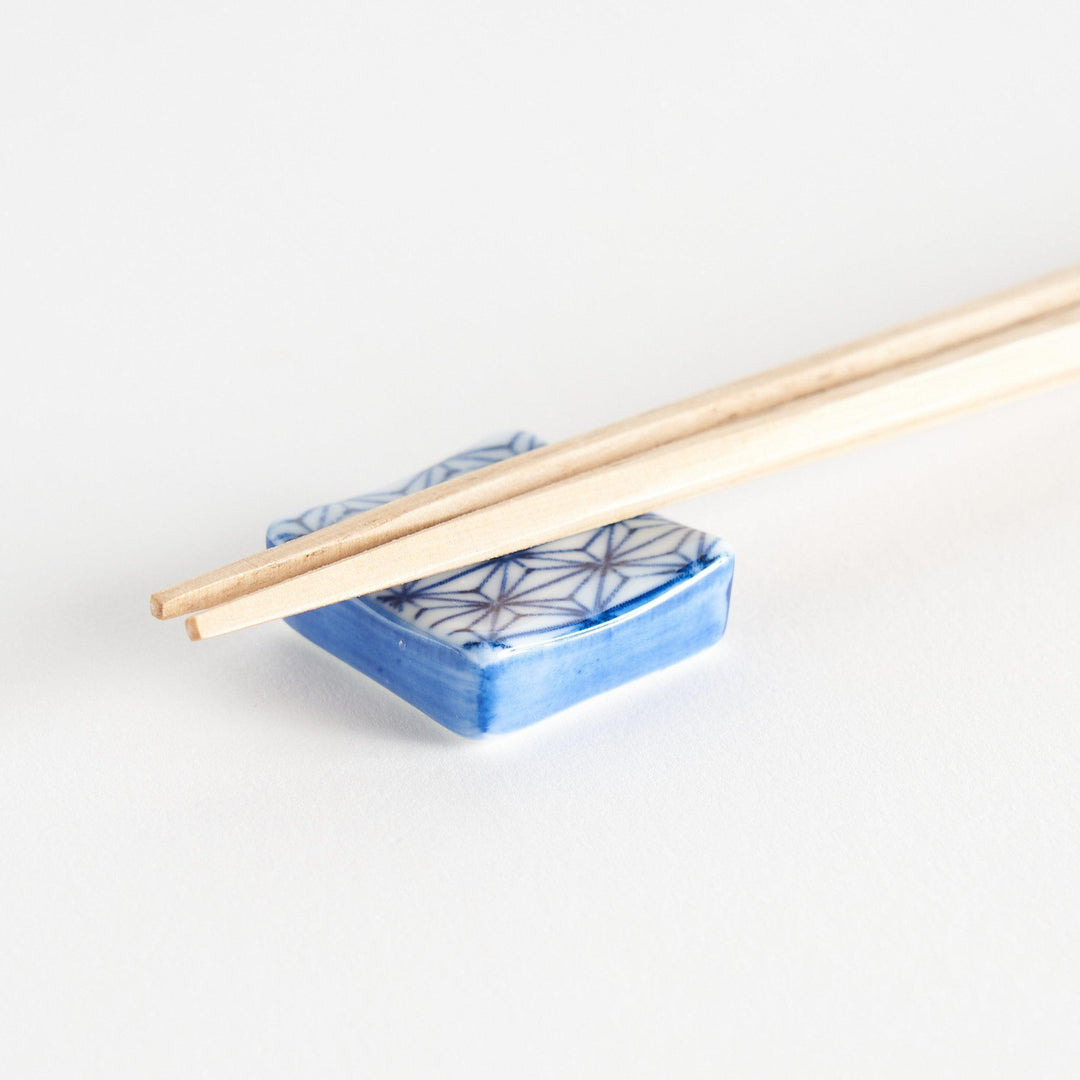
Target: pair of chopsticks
point(985, 353)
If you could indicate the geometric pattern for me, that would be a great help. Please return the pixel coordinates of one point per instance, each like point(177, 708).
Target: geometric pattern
point(528, 597)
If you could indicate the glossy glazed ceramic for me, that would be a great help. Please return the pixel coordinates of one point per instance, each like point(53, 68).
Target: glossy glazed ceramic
point(504, 643)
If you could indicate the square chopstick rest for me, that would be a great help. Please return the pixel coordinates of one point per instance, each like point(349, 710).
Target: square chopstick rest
point(502, 644)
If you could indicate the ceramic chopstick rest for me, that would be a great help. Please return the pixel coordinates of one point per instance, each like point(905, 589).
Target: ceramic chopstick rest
point(499, 645)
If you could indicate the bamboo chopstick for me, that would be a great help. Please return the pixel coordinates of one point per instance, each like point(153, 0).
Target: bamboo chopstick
point(494, 484)
point(1009, 364)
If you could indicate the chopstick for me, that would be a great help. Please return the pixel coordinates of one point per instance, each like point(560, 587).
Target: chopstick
point(1011, 363)
point(504, 480)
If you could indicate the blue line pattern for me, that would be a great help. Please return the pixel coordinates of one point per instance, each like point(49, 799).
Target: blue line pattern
point(530, 596)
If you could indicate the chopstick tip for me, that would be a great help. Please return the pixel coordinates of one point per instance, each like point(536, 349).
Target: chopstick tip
point(157, 608)
point(191, 625)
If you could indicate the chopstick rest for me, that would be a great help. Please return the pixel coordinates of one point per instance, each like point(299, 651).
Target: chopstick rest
point(502, 644)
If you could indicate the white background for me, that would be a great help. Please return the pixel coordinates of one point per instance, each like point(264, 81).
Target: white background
point(257, 256)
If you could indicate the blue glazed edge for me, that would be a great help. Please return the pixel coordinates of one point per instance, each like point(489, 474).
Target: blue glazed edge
point(489, 690)
point(680, 620)
point(438, 679)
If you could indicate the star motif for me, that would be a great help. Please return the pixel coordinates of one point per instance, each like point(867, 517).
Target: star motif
point(549, 589)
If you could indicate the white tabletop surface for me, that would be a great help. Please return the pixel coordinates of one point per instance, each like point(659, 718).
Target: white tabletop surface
point(259, 256)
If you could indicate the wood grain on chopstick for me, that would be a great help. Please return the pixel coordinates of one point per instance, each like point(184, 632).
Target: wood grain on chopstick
point(1012, 363)
point(496, 483)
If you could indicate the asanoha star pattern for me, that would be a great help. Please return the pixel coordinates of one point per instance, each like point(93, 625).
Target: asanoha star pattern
point(535, 595)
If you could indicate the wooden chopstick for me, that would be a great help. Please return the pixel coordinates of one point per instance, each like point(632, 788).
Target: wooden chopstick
point(1012, 363)
point(494, 484)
